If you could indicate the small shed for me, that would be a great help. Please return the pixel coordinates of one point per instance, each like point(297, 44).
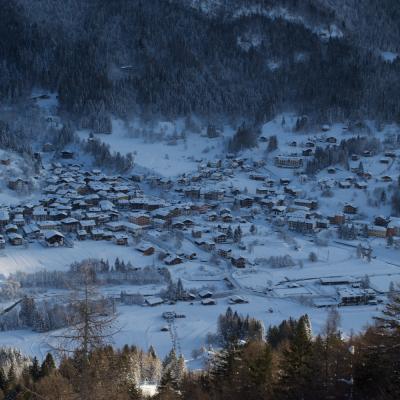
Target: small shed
point(172, 260)
point(153, 301)
point(208, 302)
point(205, 294)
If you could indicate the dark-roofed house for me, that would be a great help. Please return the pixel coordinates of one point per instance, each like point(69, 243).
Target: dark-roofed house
point(172, 260)
point(97, 234)
point(121, 239)
point(350, 209)
point(31, 231)
point(54, 238)
point(238, 261)
point(15, 239)
point(17, 184)
point(67, 154)
point(69, 224)
point(146, 249)
point(81, 234)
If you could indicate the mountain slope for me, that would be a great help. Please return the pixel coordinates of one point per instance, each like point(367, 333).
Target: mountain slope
point(244, 59)
point(372, 22)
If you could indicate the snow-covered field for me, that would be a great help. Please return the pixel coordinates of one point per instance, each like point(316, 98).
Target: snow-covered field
point(35, 257)
point(161, 156)
point(141, 325)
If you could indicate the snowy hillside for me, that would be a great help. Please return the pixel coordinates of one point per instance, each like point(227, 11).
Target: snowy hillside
point(239, 9)
point(165, 149)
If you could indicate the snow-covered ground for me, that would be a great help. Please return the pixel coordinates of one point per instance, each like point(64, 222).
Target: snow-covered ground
point(142, 325)
point(14, 166)
point(36, 257)
point(389, 56)
point(161, 157)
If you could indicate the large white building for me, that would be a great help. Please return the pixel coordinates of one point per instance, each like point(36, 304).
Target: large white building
point(288, 161)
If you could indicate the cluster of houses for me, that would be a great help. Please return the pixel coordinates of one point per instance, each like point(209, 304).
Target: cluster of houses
point(205, 296)
point(284, 200)
point(281, 198)
point(349, 292)
point(297, 159)
point(302, 215)
point(79, 204)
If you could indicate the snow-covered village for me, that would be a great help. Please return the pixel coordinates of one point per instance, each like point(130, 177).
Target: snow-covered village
point(199, 200)
point(253, 230)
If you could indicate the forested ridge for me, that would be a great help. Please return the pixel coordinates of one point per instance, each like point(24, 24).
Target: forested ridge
point(168, 58)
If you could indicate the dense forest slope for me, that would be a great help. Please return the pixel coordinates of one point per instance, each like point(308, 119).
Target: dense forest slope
point(217, 57)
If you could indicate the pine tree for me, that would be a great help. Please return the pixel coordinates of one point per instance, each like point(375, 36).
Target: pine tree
point(319, 364)
point(389, 321)
point(27, 311)
point(272, 144)
point(229, 233)
point(170, 359)
point(376, 372)
point(167, 387)
point(134, 392)
point(172, 291)
point(3, 380)
point(296, 364)
point(173, 370)
point(359, 250)
point(377, 362)
point(221, 369)
point(392, 291)
point(48, 365)
point(237, 235)
point(305, 320)
point(152, 352)
point(34, 369)
point(257, 360)
point(117, 265)
point(365, 282)
point(180, 291)
point(153, 367)
point(180, 369)
point(332, 322)
point(11, 377)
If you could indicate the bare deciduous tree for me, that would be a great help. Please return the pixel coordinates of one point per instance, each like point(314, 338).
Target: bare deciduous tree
point(92, 326)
